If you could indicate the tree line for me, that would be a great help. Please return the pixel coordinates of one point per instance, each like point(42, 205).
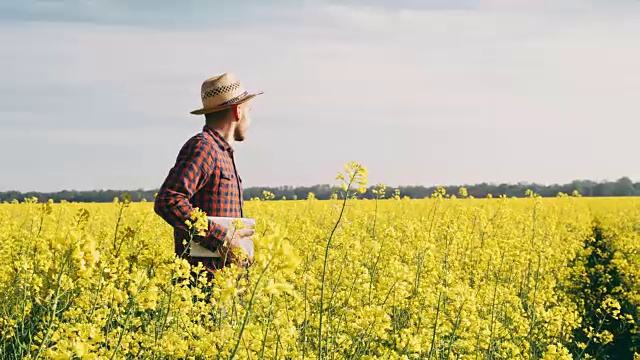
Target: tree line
point(621, 187)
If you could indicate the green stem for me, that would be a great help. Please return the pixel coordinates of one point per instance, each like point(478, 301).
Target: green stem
point(324, 267)
point(266, 330)
point(54, 308)
point(246, 314)
point(435, 326)
point(115, 235)
point(124, 329)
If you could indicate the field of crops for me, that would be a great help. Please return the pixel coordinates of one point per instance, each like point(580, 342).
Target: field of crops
point(439, 278)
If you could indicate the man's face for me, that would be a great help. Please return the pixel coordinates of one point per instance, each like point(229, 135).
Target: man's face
point(243, 123)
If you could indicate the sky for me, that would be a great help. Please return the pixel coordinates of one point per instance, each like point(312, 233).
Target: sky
point(97, 94)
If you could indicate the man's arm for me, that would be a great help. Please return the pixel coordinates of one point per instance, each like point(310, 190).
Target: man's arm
point(192, 170)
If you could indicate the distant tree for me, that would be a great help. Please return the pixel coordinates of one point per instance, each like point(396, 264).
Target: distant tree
point(621, 187)
point(624, 187)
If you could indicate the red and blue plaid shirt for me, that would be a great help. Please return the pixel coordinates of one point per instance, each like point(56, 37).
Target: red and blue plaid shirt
point(204, 176)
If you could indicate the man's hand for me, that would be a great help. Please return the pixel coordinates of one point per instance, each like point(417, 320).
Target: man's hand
point(234, 236)
point(233, 240)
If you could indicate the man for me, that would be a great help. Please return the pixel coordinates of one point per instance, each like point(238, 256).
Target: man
point(205, 174)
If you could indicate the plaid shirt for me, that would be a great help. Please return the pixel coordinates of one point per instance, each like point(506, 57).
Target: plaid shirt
point(204, 176)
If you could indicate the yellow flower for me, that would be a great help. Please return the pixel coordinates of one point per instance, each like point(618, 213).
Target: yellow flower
point(403, 279)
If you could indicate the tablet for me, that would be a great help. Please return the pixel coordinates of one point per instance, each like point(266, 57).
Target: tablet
point(198, 250)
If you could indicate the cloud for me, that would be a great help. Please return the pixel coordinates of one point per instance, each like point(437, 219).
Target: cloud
point(475, 93)
point(203, 13)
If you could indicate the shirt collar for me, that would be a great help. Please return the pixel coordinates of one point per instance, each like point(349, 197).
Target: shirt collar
point(218, 138)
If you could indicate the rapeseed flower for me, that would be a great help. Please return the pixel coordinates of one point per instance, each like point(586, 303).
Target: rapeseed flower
point(429, 278)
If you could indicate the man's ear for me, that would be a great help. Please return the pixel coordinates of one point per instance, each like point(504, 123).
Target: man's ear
point(236, 113)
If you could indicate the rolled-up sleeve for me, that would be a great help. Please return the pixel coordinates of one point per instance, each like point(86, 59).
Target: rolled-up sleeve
point(193, 168)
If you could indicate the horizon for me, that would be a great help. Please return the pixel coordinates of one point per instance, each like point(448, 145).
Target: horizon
point(97, 95)
point(369, 185)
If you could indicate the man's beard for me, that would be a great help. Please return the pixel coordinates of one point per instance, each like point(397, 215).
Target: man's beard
point(238, 135)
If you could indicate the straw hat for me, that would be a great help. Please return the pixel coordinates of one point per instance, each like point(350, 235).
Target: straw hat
point(222, 92)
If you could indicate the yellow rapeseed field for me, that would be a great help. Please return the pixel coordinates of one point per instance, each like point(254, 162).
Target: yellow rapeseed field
point(439, 278)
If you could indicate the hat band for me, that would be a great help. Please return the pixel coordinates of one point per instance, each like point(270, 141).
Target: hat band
point(232, 100)
point(213, 92)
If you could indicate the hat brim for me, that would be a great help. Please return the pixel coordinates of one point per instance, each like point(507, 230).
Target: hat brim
point(209, 110)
